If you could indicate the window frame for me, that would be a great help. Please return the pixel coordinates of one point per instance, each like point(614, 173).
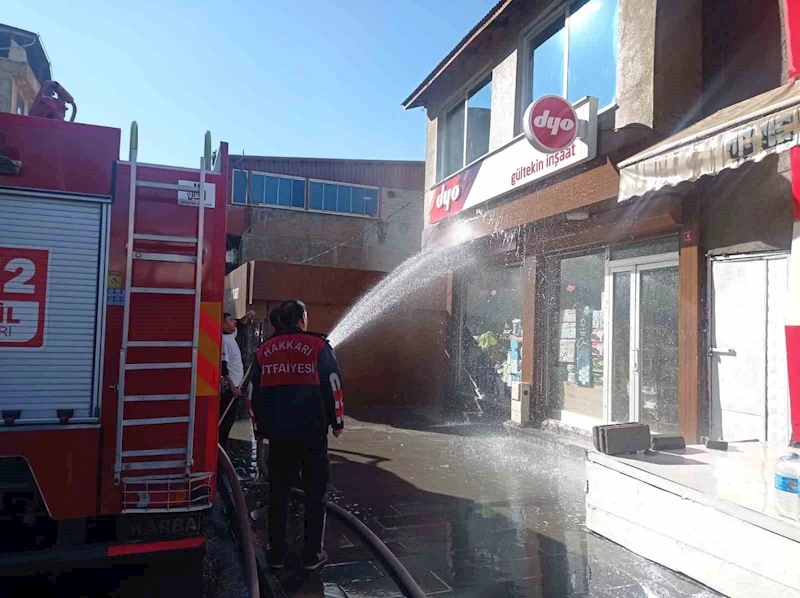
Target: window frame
point(558, 10)
point(475, 84)
point(343, 184)
point(248, 199)
point(551, 304)
point(279, 176)
point(306, 193)
point(246, 187)
point(547, 301)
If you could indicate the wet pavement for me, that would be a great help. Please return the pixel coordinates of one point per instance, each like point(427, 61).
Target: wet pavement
point(470, 512)
point(224, 573)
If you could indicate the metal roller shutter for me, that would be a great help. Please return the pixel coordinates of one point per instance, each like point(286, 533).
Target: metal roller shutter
point(51, 362)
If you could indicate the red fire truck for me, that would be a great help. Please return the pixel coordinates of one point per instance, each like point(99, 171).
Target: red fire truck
point(111, 290)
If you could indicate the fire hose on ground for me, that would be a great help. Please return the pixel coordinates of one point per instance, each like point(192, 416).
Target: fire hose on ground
point(405, 582)
point(227, 470)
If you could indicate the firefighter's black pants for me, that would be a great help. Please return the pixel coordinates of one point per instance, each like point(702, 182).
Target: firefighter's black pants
point(288, 459)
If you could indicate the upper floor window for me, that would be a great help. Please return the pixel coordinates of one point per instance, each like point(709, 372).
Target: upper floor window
point(344, 199)
point(465, 131)
point(268, 189)
point(239, 182)
point(575, 55)
point(290, 192)
point(272, 190)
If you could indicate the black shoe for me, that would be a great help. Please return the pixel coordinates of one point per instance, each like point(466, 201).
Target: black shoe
point(275, 560)
point(317, 562)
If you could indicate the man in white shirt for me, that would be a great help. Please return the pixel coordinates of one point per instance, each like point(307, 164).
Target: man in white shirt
point(233, 374)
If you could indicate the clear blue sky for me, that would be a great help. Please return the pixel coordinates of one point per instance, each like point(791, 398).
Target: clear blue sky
point(274, 77)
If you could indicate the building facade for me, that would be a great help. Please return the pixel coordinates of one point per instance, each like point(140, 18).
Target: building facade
point(327, 231)
point(608, 305)
point(24, 66)
point(361, 214)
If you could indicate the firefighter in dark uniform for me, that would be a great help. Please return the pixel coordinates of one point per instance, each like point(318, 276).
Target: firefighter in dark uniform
point(299, 395)
point(255, 377)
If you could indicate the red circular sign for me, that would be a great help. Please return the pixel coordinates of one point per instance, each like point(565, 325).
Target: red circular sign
point(550, 124)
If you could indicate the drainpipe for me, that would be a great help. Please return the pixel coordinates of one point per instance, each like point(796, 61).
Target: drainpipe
point(791, 20)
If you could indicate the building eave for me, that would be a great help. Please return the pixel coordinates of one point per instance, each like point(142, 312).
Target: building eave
point(415, 99)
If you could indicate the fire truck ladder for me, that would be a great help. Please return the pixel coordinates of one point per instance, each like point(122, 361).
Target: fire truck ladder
point(170, 485)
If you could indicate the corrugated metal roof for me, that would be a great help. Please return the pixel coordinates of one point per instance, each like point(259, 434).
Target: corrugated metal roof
point(496, 11)
point(397, 174)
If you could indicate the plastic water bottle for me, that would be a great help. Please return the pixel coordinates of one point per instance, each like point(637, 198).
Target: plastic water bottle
point(787, 487)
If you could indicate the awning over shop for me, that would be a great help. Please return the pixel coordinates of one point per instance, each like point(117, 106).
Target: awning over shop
point(745, 132)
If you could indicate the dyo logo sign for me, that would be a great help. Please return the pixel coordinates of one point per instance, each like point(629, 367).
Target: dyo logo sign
point(554, 123)
point(551, 124)
point(447, 197)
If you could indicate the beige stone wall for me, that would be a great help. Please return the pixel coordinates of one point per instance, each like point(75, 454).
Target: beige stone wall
point(636, 62)
point(23, 84)
point(504, 101)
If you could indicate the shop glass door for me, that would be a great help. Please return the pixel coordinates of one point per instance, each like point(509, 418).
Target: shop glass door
point(642, 349)
point(490, 351)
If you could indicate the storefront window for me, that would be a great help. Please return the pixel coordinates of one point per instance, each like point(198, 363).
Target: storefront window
point(633, 332)
point(491, 355)
point(576, 331)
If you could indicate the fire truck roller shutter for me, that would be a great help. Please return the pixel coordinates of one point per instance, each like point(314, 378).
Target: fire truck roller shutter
point(53, 254)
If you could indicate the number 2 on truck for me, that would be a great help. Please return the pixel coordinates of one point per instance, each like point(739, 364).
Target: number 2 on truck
point(23, 296)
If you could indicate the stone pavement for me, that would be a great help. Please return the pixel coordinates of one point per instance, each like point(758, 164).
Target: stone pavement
point(470, 511)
